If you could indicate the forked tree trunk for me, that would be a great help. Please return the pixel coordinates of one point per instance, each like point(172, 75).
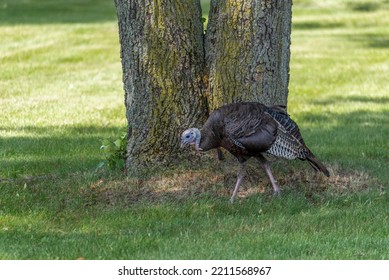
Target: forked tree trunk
point(247, 51)
point(163, 62)
point(171, 83)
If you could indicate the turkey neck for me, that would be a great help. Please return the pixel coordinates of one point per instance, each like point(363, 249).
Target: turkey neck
point(209, 139)
point(211, 132)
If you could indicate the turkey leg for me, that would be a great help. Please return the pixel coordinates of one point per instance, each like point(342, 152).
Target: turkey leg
point(276, 188)
point(241, 174)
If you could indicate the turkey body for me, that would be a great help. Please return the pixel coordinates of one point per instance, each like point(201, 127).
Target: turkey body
point(251, 129)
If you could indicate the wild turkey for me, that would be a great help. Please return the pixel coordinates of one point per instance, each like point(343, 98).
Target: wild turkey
point(252, 129)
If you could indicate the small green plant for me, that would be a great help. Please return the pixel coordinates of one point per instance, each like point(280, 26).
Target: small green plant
point(114, 152)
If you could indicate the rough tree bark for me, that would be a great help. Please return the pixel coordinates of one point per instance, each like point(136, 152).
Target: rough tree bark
point(247, 51)
point(171, 82)
point(162, 54)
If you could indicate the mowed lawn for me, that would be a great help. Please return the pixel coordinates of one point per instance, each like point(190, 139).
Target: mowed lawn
point(61, 95)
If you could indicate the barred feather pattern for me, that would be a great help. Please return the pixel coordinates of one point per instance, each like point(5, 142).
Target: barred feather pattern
point(288, 143)
point(286, 147)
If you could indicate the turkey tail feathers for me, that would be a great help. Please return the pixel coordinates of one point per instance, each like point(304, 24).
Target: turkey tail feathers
point(317, 165)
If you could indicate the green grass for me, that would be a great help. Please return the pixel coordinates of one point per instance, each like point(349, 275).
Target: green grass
point(61, 90)
point(61, 94)
point(70, 221)
point(339, 87)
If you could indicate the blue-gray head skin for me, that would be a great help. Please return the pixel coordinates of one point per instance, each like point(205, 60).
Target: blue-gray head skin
point(191, 136)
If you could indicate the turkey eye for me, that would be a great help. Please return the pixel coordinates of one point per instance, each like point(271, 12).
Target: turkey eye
point(187, 136)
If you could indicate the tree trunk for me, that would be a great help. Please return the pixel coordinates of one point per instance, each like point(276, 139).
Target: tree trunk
point(171, 83)
point(247, 49)
point(163, 62)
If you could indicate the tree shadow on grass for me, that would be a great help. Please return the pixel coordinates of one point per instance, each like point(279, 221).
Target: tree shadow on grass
point(57, 11)
point(353, 98)
point(353, 146)
point(307, 25)
point(356, 140)
point(371, 40)
point(364, 6)
point(52, 150)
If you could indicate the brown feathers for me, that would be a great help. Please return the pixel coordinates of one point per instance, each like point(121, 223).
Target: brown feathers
point(251, 129)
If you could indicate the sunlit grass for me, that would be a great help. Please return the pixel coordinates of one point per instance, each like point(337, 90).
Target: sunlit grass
point(339, 82)
point(61, 94)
